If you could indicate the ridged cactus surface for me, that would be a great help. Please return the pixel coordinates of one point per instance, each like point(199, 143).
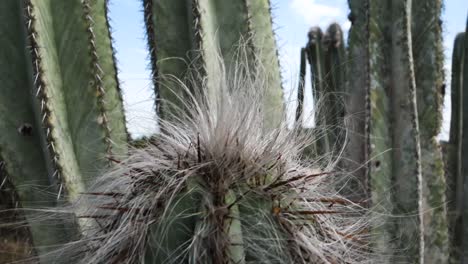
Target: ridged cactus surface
point(60, 105)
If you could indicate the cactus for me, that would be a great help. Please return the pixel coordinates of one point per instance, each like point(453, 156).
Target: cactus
point(334, 77)
point(453, 153)
point(315, 57)
point(385, 50)
point(187, 35)
point(216, 187)
point(429, 73)
point(61, 109)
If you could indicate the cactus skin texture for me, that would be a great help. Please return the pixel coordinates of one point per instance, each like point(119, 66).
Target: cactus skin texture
point(60, 105)
point(187, 36)
point(429, 73)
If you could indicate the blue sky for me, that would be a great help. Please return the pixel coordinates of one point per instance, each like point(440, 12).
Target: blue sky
point(292, 19)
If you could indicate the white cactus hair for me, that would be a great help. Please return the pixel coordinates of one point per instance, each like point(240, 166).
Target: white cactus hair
point(217, 186)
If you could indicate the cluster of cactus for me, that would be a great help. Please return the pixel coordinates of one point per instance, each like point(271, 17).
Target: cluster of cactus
point(223, 182)
point(392, 96)
point(235, 192)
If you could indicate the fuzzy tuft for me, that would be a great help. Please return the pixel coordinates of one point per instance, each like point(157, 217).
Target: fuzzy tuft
point(217, 185)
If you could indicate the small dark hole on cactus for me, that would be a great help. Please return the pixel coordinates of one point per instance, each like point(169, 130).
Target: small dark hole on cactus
point(377, 164)
point(25, 130)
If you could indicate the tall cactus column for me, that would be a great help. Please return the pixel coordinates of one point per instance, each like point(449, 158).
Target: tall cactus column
point(315, 57)
point(382, 40)
point(429, 72)
point(187, 35)
point(60, 105)
point(406, 145)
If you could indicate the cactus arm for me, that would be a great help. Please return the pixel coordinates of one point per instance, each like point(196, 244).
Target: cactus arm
point(429, 73)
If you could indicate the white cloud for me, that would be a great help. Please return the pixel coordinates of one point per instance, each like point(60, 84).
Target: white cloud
point(315, 13)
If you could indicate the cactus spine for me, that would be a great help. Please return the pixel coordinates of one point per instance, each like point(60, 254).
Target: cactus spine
point(177, 29)
point(61, 109)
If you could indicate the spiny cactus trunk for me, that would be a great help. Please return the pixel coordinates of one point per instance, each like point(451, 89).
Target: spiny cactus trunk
point(187, 36)
point(60, 104)
point(429, 73)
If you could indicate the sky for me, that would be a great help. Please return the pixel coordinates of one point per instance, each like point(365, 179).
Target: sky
point(292, 20)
